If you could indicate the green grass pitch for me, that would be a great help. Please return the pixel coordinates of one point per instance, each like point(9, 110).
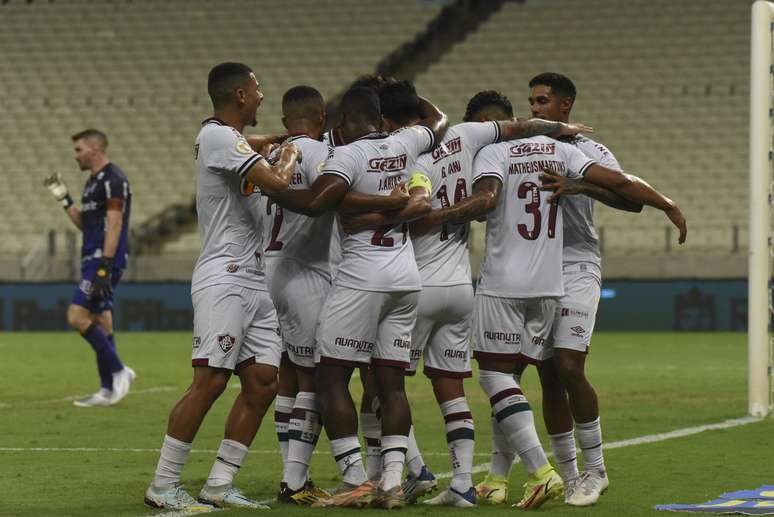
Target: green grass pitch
point(648, 383)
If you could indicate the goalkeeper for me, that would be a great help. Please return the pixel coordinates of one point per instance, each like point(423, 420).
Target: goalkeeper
point(104, 220)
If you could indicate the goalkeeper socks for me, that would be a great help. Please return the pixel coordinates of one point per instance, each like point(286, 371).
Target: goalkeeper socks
point(303, 433)
point(174, 454)
point(513, 413)
point(372, 434)
point(414, 460)
point(346, 452)
point(105, 376)
point(460, 437)
point(231, 454)
point(394, 449)
point(590, 441)
point(502, 453)
point(283, 407)
point(106, 355)
point(563, 447)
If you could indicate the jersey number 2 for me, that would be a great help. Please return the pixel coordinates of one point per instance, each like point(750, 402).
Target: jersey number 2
point(531, 191)
point(274, 244)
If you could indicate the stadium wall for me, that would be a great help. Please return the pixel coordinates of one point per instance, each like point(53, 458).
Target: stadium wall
point(683, 305)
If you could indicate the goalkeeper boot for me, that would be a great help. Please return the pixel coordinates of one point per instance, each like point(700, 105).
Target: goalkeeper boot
point(590, 486)
point(493, 489)
point(541, 486)
point(122, 381)
point(415, 487)
point(451, 497)
point(101, 398)
point(174, 497)
point(227, 496)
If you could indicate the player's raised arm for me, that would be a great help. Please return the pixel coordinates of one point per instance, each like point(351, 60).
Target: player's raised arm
point(562, 186)
point(433, 119)
point(513, 129)
point(274, 178)
point(635, 190)
point(58, 189)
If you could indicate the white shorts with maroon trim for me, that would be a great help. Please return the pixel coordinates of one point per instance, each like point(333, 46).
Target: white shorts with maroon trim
point(366, 327)
point(577, 310)
point(298, 293)
point(517, 329)
point(233, 327)
point(442, 331)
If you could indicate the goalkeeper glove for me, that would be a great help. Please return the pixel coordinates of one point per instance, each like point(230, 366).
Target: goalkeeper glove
point(101, 286)
point(58, 189)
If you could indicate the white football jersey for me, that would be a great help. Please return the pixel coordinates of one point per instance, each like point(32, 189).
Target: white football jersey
point(295, 236)
point(523, 254)
point(379, 260)
point(442, 253)
point(332, 138)
point(581, 243)
point(228, 208)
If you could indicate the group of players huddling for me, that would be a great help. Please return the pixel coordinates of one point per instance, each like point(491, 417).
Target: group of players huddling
point(354, 242)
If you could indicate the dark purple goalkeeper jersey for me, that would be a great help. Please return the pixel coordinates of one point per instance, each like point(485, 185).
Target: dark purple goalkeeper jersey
point(109, 183)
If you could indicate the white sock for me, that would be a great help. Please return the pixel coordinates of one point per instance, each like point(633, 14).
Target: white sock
point(231, 454)
point(502, 455)
point(174, 454)
point(515, 417)
point(303, 433)
point(283, 408)
point(563, 447)
point(393, 459)
point(590, 441)
point(414, 460)
point(346, 451)
point(460, 440)
point(372, 434)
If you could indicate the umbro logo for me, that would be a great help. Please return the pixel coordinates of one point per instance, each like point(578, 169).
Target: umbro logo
point(226, 342)
point(578, 331)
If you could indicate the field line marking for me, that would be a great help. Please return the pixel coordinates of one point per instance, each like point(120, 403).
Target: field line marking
point(648, 438)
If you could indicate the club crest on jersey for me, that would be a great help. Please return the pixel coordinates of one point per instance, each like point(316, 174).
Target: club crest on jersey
point(232, 268)
point(389, 164)
point(530, 148)
point(447, 149)
point(226, 342)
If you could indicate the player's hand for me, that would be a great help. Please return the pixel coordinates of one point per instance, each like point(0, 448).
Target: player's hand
point(58, 189)
point(290, 147)
point(573, 129)
point(400, 195)
point(101, 286)
point(559, 185)
point(676, 216)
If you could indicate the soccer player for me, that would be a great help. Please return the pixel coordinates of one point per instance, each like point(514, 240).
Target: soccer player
point(371, 310)
point(299, 278)
point(235, 323)
point(521, 278)
point(104, 220)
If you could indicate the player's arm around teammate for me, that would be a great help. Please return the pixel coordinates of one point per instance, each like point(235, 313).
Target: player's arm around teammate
point(562, 186)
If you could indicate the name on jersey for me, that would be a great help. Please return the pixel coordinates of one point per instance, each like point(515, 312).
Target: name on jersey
point(389, 164)
point(453, 168)
point(361, 345)
point(509, 338)
point(88, 206)
point(447, 149)
point(390, 182)
point(530, 148)
point(296, 179)
point(536, 166)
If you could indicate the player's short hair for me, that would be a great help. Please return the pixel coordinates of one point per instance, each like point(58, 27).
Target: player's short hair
point(361, 105)
point(302, 102)
point(95, 135)
point(399, 102)
point(372, 81)
point(223, 79)
point(560, 84)
point(485, 99)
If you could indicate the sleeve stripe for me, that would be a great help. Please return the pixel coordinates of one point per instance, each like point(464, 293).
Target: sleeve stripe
point(491, 174)
point(498, 135)
point(107, 190)
point(432, 136)
point(249, 163)
point(339, 174)
point(588, 164)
